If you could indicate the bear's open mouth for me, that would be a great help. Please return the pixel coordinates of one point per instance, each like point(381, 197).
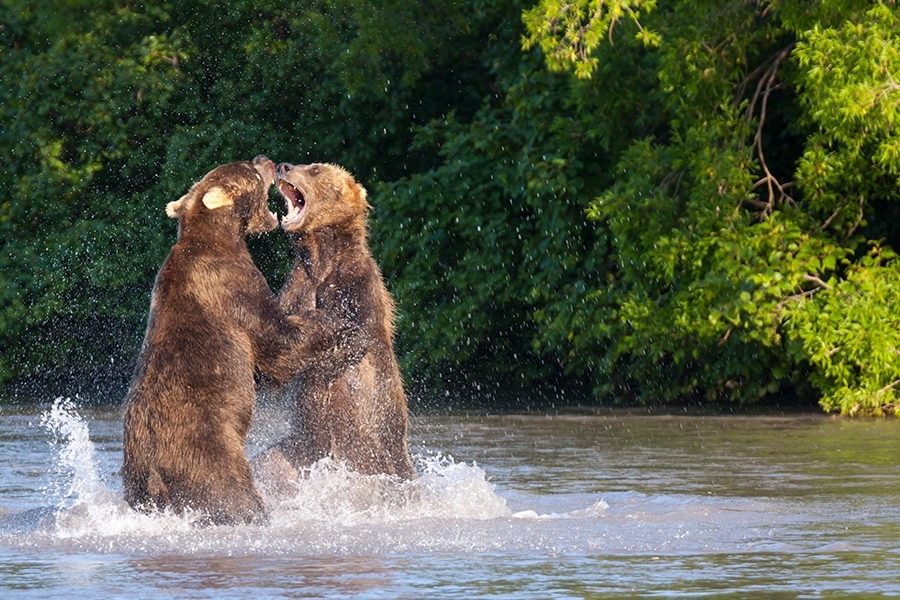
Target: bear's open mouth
point(295, 201)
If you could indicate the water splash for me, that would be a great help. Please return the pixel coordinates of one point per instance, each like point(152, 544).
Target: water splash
point(91, 512)
point(75, 454)
point(85, 504)
point(445, 489)
point(451, 506)
point(458, 490)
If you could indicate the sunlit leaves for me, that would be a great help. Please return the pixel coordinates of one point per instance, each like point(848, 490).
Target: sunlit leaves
point(675, 209)
point(851, 334)
point(568, 32)
point(850, 75)
point(710, 260)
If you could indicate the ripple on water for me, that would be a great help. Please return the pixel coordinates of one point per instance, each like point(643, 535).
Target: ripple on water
point(584, 520)
point(451, 507)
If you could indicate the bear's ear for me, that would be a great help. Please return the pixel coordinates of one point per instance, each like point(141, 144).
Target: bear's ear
point(363, 199)
point(173, 209)
point(216, 197)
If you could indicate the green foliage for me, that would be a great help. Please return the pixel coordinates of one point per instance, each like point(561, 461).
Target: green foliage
point(849, 172)
point(79, 113)
point(715, 248)
point(851, 334)
point(851, 96)
point(568, 33)
point(695, 200)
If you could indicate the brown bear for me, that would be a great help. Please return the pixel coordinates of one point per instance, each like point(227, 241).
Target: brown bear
point(213, 320)
point(361, 418)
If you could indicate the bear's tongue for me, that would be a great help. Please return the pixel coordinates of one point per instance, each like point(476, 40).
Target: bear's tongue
point(295, 201)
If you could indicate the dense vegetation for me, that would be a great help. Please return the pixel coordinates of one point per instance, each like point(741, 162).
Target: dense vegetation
point(690, 200)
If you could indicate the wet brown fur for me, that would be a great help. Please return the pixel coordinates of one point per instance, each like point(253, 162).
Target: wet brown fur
point(360, 419)
point(213, 319)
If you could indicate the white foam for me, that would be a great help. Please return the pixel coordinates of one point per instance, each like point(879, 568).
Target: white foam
point(596, 510)
point(445, 489)
point(88, 507)
point(451, 506)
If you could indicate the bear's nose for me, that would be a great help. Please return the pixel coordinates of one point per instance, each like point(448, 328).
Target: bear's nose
point(263, 160)
point(283, 168)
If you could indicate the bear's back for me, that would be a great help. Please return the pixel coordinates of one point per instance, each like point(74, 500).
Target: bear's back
point(195, 329)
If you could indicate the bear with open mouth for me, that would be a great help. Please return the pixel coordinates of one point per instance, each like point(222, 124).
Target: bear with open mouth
point(361, 418)
point(213, 321)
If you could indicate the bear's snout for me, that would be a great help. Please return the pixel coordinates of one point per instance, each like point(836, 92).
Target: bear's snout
point(283, 168)
point(261, 160)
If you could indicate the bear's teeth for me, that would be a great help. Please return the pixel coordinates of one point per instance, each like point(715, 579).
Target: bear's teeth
point(291, 194)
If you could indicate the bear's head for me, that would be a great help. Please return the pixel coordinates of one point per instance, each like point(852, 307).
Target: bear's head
point(239, 190)
point(320, 195)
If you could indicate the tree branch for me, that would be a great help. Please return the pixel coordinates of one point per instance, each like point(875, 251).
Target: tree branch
point(832, 217)
point(817, 281)
point(862, 200)
point(756, 203)
point(725, 337)
point(888, 386)
point(820, 285)
point(764, 89)
point(800, 296)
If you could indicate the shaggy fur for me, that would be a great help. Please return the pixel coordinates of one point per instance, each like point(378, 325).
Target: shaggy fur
point(213, 319)
point(361, 418)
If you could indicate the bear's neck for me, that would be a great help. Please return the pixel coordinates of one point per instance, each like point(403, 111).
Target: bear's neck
point(318, 250)
point(209, 231)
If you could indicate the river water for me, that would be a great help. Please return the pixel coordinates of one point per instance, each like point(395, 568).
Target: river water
point(608, 503)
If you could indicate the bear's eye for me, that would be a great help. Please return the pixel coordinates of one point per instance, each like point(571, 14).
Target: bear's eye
point(314, 170)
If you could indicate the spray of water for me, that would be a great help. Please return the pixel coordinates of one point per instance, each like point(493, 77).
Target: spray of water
point(85, 503)
point(331, 509)
point(445, 489)
point(89, 508)
point(75, 454)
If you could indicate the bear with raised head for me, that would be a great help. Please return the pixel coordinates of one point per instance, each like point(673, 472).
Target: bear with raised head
point(361, 418)
point(213, 321)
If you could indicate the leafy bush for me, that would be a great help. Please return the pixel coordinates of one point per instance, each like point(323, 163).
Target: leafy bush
point(693, 201)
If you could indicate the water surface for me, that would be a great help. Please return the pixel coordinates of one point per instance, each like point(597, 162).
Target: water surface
point(609, 503)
